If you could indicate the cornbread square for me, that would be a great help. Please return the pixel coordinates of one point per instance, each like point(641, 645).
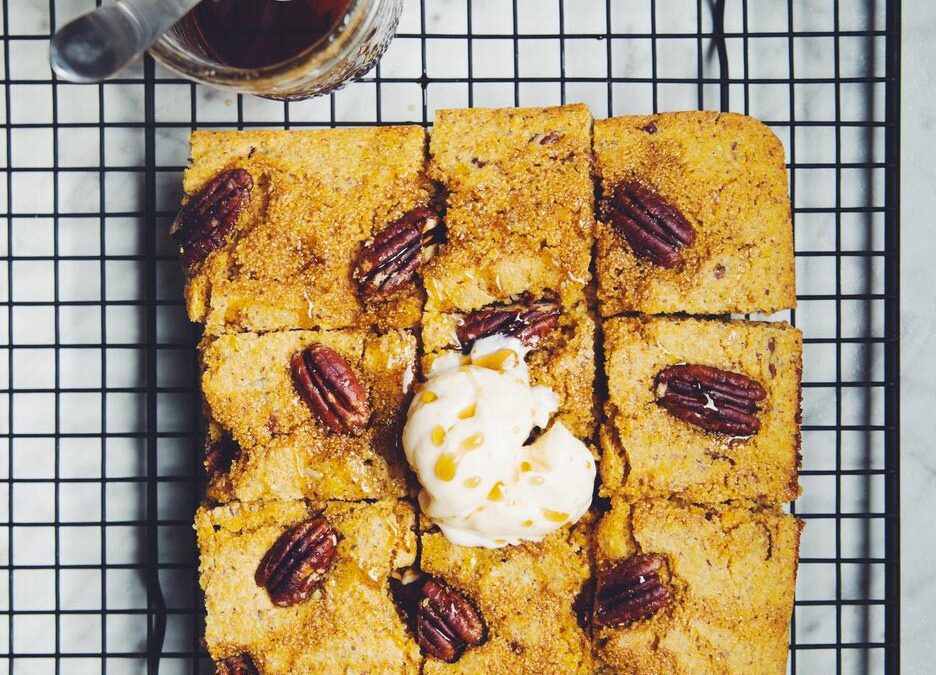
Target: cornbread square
point(725, 173)
point(284, 451)
point(528, 596)
point(520, 215)
point(564, 360)
point(317, 197)
point(348, 624)
point(647, 452)
point(730, 573)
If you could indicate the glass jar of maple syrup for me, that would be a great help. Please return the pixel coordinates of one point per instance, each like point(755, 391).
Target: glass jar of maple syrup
point(284, 49)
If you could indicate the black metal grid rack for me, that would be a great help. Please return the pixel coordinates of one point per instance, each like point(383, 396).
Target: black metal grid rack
point(98, 455)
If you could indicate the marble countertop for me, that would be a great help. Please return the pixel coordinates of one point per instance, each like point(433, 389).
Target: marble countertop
point(918, 340)
point(87, 192)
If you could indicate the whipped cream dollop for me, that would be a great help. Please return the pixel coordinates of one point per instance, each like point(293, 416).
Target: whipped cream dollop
point(465, 437)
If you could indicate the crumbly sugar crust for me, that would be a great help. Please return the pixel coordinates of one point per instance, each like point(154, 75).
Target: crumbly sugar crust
point(318, 196)
point(520, 212)
point(646, 452)
point(730, 572)
point(349, 622)
point(725, 173)
point(285, 451)
point(527, 595)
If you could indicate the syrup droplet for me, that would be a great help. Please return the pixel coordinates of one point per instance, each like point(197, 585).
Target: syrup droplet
point(438, 436)
point(526, 466)
point(445, 468)
point(473, 441)
point(497, 360)
point(429, 396)
point(472, 482)
point(468, 412)
point(555, 516)
point(527, 523)
point(497, 492)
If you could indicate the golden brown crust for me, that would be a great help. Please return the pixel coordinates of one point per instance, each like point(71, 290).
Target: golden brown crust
point(526, 594)
point(348, 623)
point(317, 197)
point(285, 452)
point(520, 212)
point(731, 573)
point(646, 452)
point(725, 172)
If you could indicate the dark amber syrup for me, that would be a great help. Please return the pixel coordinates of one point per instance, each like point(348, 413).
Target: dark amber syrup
point(258, 33)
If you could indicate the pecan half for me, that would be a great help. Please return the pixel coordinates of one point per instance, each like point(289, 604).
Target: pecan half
point(528, 322)
point(654, 229)
point(296, 563)
point(390, 260)
point(236, 665)
point(202, 224)
point(630, 590)
point(447, 623)
point(328, 385)
point(711, 398)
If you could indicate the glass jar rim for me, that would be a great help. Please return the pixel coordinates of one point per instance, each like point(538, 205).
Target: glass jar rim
point(314, 61)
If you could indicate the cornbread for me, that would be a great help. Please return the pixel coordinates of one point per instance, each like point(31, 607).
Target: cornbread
point(527, 595)
point(730, 573)
point(520, 215)
point(317, 197)
point(284, 450)
point(349, 622)
point(563, 360)
point(725, 174)
point(647, 452)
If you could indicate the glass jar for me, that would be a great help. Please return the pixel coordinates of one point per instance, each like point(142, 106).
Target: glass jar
point(348, 52)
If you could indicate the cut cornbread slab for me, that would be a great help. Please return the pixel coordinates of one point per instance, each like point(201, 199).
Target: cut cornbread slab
point(729, 573)
point(282, 449)
point(520, 215)
point(725, 174)
point(563, 360)
point(317, 197)
point(348, 624)
point(649, 452)
point(527, 597)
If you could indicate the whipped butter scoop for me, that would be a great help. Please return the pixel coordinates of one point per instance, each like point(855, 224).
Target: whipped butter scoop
point(465, 438)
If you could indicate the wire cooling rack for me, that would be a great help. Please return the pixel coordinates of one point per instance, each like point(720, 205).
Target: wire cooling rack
point(99, 456)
